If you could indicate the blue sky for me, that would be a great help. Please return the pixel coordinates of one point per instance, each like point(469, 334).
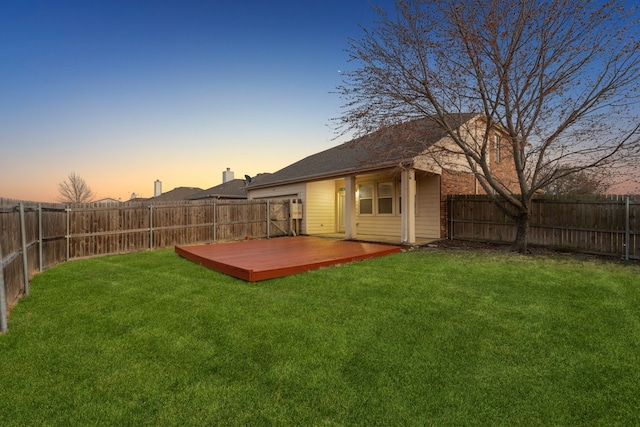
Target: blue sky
point(127, 92)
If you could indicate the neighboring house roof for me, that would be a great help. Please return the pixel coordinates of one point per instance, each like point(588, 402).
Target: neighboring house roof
point(384, 148)
point(233, 189)
point(259, 178)
point(106, 200)
point(178, 193)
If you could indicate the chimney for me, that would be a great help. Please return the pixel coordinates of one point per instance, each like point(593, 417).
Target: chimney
point(227, 175)
point(157, 188)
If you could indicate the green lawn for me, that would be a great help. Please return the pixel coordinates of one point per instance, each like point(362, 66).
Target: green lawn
point(418, 338)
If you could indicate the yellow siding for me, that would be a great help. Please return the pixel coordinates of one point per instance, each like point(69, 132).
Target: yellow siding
point(379, 225)
point(428, 207)
point(320, 207)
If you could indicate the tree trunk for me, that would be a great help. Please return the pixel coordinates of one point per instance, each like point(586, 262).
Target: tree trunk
point(522, 235)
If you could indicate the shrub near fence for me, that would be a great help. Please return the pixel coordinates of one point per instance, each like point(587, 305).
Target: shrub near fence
point(597, 225)
point(35, 236)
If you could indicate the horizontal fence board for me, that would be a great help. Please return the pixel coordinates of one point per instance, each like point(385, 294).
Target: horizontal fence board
point(596, 225)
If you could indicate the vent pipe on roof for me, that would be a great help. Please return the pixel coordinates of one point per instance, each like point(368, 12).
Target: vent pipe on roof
point(157, 188)
point(227, 175)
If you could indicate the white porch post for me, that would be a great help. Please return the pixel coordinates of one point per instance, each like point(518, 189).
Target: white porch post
point(350, 208)
point(408, 193)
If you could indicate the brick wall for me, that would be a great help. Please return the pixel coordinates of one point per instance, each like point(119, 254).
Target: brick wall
point(453, 183)
point(465, 183)
point(504, 170)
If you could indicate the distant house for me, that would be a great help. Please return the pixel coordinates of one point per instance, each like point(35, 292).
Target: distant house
point(384, 186)
point(234, 189)
point(178, 193)
point(106, 201)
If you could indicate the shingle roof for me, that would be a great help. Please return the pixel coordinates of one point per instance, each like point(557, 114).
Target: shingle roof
point(178, 193)
point(383, 148)
point(233, 189)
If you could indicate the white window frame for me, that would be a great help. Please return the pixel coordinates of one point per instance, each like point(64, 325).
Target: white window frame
point(378, 197)
point(372, 198)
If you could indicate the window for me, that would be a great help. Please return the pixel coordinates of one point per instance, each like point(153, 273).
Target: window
point(365, 198)
point(496, 147)
point(385, 197)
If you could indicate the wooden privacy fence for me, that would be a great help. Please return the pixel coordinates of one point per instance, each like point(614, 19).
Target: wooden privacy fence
point(35, 236)
point(596, 225)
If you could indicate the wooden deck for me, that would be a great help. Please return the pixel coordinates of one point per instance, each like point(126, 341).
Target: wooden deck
point(255, 260)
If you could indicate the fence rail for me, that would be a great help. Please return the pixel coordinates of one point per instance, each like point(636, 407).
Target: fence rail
point(36, 236)
point(597, 225)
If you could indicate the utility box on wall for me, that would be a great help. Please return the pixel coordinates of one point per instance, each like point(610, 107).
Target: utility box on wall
point(296, 209)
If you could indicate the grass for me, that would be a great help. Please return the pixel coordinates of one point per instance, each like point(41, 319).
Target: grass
point(418, 338)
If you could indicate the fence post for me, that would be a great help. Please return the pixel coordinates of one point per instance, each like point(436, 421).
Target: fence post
point(291, 218)
point(247, 211)
point(40, 237)
point(3, 298)
point(23, 240)
point(151, 226)
point(214, 221)
point(450, 215)
point(268, 221)
point(68, 233)
point(627, 231)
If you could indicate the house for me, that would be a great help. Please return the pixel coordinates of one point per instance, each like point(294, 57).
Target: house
point(386, 186)
point(106, 201)
point(177, 194)
point(233, 189)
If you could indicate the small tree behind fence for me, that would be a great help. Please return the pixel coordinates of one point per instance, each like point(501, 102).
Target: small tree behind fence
point(598, 225)
point(36, 236)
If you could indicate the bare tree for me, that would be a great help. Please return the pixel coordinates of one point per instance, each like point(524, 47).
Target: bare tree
point(74, 189)
point(584, 182)
point(558, 77)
